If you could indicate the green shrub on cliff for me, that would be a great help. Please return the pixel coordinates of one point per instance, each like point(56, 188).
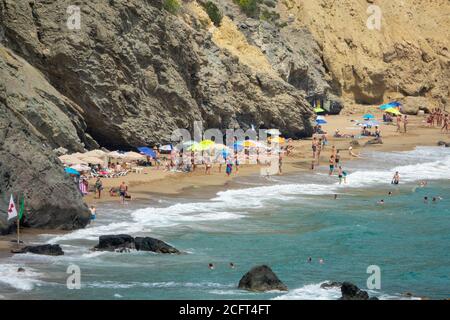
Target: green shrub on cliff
point(213, 12)
point(250, 7)
point(173, 6)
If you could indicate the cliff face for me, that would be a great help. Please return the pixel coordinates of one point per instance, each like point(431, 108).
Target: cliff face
point(139, 72)
point(408, 56)
point(34, 117)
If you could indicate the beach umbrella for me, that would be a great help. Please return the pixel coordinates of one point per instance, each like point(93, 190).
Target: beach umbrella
point(195, 147)
point(273, 132)
point(249, 144)
point(238, 147)
point(93, 160)
point(318, 110)
point(368, 116)
point(95, 153)
point(393, 111)
point(147, 151)
point(71, 171)
point(321, 121)
point(133, 156)
point(116, 155)
point(390, 105)
point(80, 167)
point(279, 140)
point(167, 147)
point(206, 144)
point(71, 160)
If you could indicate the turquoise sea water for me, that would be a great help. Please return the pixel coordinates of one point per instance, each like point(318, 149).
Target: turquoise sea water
point(279, 222)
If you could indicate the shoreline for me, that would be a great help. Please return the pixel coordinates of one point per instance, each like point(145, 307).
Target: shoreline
point(144, 188)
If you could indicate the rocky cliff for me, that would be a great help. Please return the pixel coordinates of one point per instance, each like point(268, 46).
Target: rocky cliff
point(124, 73)
point(34, 118)
point(407, 54)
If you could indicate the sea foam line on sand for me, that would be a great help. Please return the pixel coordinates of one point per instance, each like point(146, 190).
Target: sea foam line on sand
point(237, 203)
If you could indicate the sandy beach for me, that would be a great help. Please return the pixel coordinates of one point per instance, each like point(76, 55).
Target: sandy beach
point(153, 181)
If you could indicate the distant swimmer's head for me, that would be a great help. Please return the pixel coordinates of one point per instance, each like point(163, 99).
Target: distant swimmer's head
point(381, 202)
point(232, 266)
point(390, 193)
point(211, 266)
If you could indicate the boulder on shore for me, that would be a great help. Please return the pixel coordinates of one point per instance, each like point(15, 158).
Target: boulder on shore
point(154, 245)
point(115, 242)
point(125, 242)
point(443, 144)
point(261, 278)
point(45, 249)
point(352, 292)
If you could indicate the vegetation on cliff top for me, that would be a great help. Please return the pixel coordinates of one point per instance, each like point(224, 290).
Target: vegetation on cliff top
point(213, 12)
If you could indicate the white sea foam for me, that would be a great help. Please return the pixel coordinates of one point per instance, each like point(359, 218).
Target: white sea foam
point(311, 292)
point(25, 280)
point(169, 284)
point(420, 164)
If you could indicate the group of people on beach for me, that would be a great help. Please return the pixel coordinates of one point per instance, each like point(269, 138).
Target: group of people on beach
point(439, 118)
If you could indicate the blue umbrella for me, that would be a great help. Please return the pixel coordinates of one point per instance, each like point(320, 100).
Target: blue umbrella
point(237, 146)
point(147, 151)
point(321, 121)
point(390, 105)
point(71, 171)
point(368, 116)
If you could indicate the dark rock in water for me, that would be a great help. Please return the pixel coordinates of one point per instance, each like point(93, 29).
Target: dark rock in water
point(115, 242)
point(155, 245)
point(351, 292)
point(45, 249)
point(261, 278)
point(443, 144)
point(20, 270)
point(331, 284)
point(374, 141)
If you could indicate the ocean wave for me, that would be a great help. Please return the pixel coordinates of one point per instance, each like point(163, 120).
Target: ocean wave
point(420, 164)
point(311, 292)
point(169, 284)
point(25, 280)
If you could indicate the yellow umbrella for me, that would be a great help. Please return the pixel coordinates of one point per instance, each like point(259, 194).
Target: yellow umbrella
point(249, 144)
point(278, 140)
point(393, 111)
point(318, 110)
point(206, 144)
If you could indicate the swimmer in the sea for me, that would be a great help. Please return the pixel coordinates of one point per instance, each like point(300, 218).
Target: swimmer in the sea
point(390, 193)
point(381, 202)
point(425, 199)
point(211, 266)
point(232, 266)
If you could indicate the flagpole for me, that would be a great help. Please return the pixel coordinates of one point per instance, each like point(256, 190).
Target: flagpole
point(18, 230)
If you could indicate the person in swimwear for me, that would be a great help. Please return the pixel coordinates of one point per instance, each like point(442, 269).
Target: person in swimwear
point(396, 178)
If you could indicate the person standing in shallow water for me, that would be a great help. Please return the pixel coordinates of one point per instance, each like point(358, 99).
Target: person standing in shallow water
point(123, 189)
point(98, 187)
point(396, 178)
